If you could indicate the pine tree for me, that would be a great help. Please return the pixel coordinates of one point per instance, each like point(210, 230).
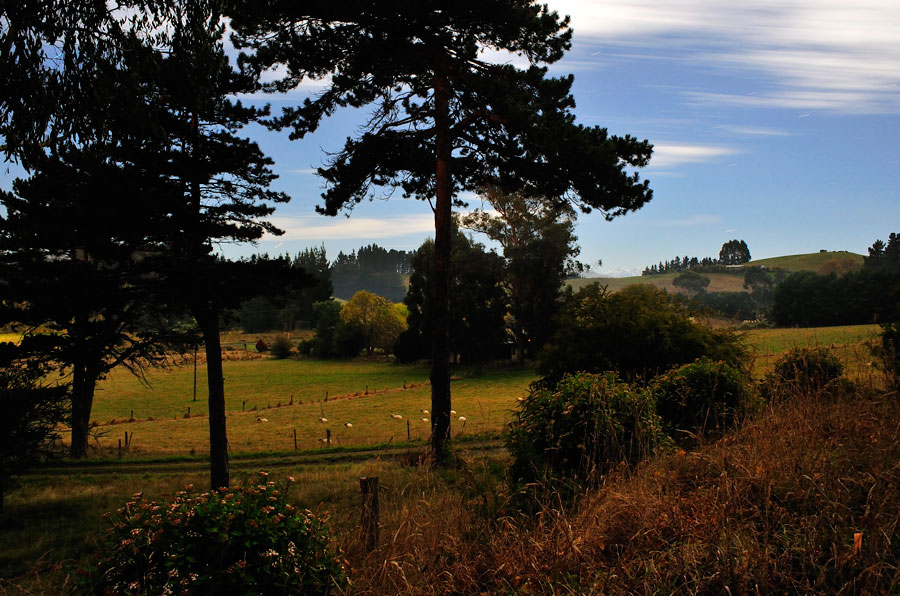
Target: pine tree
point(443, 118)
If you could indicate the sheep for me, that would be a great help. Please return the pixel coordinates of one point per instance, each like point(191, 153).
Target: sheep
point(453, 412)
point(323, 420)
point(348, 424)
point(424, 419)
point(462, 419)
point(425, 412)
point(396, 416)
point(258, 419)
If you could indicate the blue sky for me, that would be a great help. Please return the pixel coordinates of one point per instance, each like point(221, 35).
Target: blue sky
point(776, 122)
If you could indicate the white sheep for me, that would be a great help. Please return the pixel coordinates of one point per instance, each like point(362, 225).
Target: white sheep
point(396, 416)
point(425, 412)
point(453, 412)
point(323, 420)
point(258, 419)
point(424, 419)
point(348, 424)
point(462, 419)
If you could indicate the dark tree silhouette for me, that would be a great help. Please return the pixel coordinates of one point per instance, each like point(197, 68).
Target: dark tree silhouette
point(444, 119)
point(734, 252)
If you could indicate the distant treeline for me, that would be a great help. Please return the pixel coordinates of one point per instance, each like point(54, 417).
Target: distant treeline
point(374, 269)
point(869, 295)
point(683, 264)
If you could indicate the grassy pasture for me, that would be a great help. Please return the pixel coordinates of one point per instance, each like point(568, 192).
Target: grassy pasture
point(718, 282)
point(485, 402)
point(849, 342)
point(807, 262)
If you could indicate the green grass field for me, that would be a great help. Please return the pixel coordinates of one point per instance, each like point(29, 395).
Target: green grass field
point(268, 400)
point(808, 262)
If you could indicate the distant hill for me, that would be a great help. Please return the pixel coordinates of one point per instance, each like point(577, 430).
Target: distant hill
point(734, 282)
point(810, 262)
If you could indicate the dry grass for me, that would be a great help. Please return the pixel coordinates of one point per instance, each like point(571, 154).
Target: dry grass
point(804, 499)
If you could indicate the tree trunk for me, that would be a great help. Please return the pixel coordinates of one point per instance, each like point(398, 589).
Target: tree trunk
point(83, 384)
point(208, 320)
point(440, 347)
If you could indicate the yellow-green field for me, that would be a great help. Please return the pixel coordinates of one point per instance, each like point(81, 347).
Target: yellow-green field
point(268, 400)
point(718, 282)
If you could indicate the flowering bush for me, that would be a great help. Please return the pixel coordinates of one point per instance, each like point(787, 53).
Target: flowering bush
point(230, 541)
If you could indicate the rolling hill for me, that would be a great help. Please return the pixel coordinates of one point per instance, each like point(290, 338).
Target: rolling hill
point(734, 281)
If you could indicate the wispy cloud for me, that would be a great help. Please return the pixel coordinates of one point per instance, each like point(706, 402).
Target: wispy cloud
point(753, 131)
point(698, 219)
point(823, 54)
point(325, 228)
point(670, 155)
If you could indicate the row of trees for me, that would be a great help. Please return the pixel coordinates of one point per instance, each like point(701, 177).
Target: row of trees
point(169, 177)
point(733, 252)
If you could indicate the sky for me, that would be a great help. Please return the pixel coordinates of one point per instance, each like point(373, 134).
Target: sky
point(774, 122)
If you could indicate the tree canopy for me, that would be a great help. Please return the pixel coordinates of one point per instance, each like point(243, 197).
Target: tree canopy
point(734, 252)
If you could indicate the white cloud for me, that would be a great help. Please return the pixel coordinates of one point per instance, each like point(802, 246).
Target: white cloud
point(667, 156)
point(824, 54)
point(337, 228)
point(753, 131)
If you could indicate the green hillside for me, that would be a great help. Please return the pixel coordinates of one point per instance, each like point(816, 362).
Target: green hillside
point(811, 261)
point(734, 282)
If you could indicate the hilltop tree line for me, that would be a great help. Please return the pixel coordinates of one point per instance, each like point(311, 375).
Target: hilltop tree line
point(733, 252)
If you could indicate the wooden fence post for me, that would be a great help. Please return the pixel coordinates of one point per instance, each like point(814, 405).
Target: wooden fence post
point(369, 517)
point(328, 437)
point(295, 439)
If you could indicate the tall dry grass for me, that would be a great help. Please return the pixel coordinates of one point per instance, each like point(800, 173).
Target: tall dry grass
point(803, 499)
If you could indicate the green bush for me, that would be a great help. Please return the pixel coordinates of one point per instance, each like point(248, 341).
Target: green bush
point(888, 353)
point(281, 347)
point(701, 399)
point(230, 541)
point(583, 427)
point(639, 332)
point(804, 371)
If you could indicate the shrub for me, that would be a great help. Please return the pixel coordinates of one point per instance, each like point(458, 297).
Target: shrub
point(584, 426)
point(803, 371)
point(638, 332)
point(701, 399)
point(281, 347)
point(230, 541)
point(888, 353)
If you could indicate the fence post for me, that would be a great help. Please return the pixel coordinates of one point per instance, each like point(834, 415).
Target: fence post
point(369, 517)
point(407, 430)
point(295, 439)
point(328, 437)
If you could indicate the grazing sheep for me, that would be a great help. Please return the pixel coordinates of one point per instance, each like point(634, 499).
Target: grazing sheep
point(453, 412)
point(424, 419)
point(462, 418)
point(425, 412)
point(396, 416)
point(348, 424)
point(258, 419)
point(323, 420)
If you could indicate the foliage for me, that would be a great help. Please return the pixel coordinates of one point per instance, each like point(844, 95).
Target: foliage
point(478, 303)
point(887, 351)
point(701, 399)
point(638, 332)
point(804, 371)
point(691, 281)
point(31, 412)
point(585, 426)
point(884, 256)
point(738, 305)
point(734, 252)
point(805, 299)
point(281, 347)
point(247, 540)
point(380, 321)
point(374, 269)
point(539, 248)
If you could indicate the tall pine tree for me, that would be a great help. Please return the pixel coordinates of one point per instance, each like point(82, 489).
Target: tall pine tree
point(444, 119)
